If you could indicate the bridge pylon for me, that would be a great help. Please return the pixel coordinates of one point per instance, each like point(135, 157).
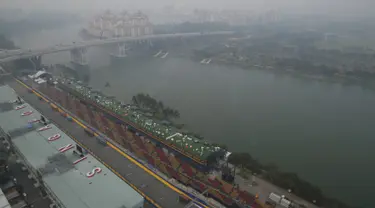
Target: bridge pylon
point(79, 56)
point(36, 62)
point(150, 44)
point(120, 51)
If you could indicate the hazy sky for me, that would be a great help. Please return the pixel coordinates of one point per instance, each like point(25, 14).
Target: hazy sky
point(311, 6)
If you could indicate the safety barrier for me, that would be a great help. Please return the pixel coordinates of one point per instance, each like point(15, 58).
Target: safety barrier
point(103, 139)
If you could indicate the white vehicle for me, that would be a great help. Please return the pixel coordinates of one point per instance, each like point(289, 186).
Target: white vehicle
point(281, 200)
point(274, 197)
point(285, 202)
point(40, 80)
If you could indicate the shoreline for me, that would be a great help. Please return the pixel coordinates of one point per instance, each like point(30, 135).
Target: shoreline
point(280, 72)
point(223, 142)
point(335, 79)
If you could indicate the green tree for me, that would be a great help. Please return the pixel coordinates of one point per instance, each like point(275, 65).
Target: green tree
point(159, 110)
point(222, 146)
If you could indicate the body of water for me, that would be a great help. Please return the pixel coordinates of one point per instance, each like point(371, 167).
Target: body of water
point(322, 131)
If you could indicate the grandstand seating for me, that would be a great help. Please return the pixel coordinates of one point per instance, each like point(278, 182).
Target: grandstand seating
point(148, 150)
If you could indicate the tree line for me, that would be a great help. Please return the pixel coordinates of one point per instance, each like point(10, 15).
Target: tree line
point(149, 104)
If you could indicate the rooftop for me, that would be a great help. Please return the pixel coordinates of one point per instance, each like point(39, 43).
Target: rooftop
point(3, 200)
point(77, 182)
point(188, 144)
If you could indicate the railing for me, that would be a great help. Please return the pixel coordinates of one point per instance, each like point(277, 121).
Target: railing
point(134, 126)
point(187, 190)
point(27, 54)
point(190, 191)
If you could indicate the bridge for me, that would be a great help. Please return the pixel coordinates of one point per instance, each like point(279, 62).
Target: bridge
point(79, 49)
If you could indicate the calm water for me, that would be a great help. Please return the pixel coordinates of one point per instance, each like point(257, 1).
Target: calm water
point(323, 131)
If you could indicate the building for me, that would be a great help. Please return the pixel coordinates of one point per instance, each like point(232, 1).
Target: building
point(124, 24)
point(174, 154)
point(3, 200)
point(235, 17)
point(71, 176)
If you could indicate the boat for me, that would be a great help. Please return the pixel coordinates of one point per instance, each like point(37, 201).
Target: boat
point(182, 157)
point(205, 61)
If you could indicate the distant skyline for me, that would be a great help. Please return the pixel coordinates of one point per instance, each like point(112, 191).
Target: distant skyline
point(333, 7)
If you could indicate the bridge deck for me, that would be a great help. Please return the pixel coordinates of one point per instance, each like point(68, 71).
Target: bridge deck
point(20, 54)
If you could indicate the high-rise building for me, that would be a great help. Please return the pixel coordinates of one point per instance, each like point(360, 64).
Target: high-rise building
point(124, 24)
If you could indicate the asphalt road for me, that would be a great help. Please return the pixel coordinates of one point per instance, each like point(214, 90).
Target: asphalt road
point(150, 186)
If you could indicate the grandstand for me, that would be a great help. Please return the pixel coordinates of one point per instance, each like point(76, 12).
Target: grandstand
point(66, 171)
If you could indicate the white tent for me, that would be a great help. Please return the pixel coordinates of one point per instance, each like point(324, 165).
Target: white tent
point(37, 75)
